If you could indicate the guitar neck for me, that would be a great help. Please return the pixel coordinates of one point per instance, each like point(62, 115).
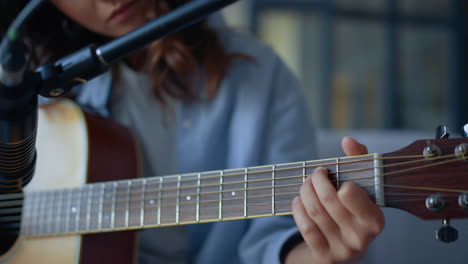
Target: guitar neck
point(188, 198)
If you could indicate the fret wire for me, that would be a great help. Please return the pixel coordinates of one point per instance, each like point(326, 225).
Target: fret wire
point(266, 187)
point(88, 210)
point(77, 212)
point(290, 177)
point(337, 173)
point(374, 160)
point(283, 178)
point(114, 192)
point(221, 195)
point(304, 168)
point(143, 197)
point(304, 175)
point(245, 192)
point(260, 196)
point(178, 200)
point(303, 172)
point(127, 205)
point(242, 189)
point(101, 205)
point(197, 217)
point(273, 189)
point(161, 179)
point(223, 186)
point(214, 217)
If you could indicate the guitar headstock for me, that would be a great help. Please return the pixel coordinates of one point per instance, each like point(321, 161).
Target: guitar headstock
point(428, 178)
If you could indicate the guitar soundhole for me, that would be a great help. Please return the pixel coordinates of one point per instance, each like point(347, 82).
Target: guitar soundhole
point(10, 219)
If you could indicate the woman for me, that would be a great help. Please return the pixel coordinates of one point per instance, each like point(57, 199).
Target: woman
point(210, 98)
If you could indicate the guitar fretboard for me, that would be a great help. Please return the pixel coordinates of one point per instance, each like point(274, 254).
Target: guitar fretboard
point(186, 199)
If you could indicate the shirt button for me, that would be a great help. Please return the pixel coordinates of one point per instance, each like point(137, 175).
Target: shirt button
point(187, 123)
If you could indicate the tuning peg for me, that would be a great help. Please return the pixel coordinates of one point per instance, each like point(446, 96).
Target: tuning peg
point(446, 233)
point(465, 131)
point(442, 132)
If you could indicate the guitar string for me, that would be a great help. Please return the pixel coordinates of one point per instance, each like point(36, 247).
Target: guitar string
point(424, 188)
point(251, 173)
point(354, 160)
point(217, 192)
point(391, 186)
point(301, 167)
point(318, 165)
point(268, 180)
point(230, 207)
point(291, 185)
point(18, 210)
point(39, 227)
point(169, 208)
point(341, 162)
point(225, 183)
point(406, 186)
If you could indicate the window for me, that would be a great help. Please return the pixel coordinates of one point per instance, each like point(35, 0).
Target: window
point(373, 63)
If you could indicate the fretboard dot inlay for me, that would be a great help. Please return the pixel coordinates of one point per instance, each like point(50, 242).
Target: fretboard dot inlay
point(151, 202)
point(189, 198)
point(73, 210)
point(233, 193)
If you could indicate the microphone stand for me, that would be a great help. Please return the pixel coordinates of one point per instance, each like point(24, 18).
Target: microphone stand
point(19, 89)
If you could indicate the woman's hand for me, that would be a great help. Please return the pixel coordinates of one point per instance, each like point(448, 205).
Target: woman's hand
point(337, 226)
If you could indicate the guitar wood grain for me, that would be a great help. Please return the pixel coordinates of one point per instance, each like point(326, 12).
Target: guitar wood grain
point(61, 134)
point(75, 148)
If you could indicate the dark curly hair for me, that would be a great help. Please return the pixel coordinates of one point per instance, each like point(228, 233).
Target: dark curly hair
point(174, 60)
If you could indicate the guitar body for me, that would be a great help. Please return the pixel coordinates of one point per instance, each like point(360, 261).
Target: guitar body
point(74, 148)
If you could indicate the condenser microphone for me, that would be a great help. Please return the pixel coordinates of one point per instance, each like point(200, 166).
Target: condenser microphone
point(18, 108)
point(18, 118)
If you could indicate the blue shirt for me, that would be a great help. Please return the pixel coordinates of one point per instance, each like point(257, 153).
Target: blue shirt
point(258, 117)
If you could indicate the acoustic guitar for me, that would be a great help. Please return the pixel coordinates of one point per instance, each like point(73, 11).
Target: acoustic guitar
point(81, 193)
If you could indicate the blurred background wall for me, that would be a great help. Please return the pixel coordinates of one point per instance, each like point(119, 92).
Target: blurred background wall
point(384, 71)
point(370, 64)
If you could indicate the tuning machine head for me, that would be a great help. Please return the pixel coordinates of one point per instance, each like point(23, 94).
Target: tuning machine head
point(442, 132)
point(446, 233)
point(465, 131)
